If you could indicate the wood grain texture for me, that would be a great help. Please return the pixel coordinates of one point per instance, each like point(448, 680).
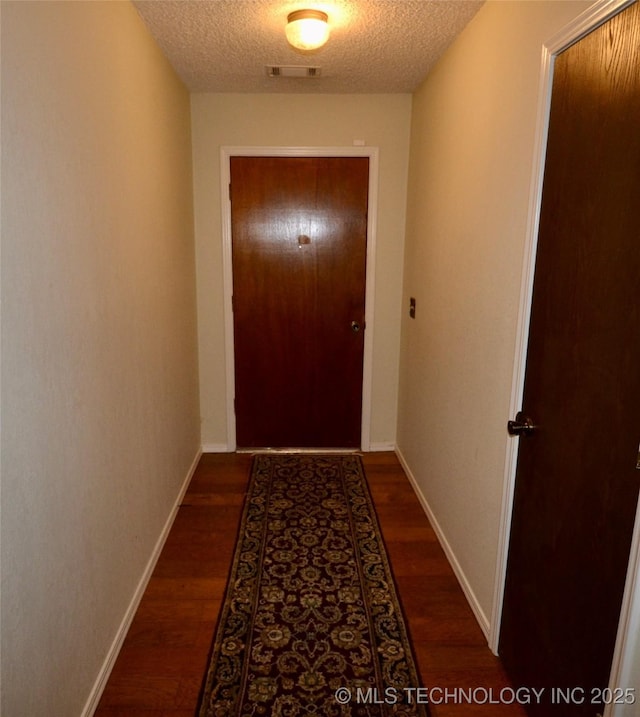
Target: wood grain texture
point(299, 237)
point(577, 485)
point(163, 661)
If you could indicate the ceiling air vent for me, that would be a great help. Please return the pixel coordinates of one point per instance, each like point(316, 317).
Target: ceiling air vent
point(292, 71)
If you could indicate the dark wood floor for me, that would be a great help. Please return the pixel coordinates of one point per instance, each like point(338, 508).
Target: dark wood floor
point(161, 665)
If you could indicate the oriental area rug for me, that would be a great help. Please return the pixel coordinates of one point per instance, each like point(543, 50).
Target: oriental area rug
point(311, 624)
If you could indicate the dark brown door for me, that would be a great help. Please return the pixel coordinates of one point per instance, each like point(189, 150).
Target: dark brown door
point(299, 238)
point(577, 481)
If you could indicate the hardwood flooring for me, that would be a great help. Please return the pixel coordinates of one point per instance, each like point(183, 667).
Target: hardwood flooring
point(163, 660)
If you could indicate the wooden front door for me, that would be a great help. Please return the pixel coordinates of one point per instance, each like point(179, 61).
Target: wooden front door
point(299, 245)
point(577, 478)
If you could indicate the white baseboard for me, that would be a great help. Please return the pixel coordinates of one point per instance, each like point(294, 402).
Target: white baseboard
point(457, 569)
point(216, 448)
point(101, 682)
point(380, 447)
point(224, 448)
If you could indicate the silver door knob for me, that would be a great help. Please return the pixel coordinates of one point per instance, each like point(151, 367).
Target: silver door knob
point(355, 326)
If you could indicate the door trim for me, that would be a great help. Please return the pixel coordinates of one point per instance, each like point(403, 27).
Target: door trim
point(372, 213)
point(589, 20)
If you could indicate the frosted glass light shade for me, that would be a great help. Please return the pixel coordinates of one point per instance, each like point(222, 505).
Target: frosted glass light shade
point(307, 29)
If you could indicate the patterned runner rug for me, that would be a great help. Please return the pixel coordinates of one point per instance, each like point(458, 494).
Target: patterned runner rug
point(311, 623)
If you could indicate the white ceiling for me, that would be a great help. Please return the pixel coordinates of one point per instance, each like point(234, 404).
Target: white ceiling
point(376, 46)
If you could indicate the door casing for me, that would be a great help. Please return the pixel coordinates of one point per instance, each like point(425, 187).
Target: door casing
point(367, 374)
point(629, 625)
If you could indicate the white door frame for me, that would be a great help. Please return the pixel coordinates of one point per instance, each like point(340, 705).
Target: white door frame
point(372, 214)
point(629, 624)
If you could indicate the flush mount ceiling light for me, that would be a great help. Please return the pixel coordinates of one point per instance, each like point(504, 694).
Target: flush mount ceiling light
point(307, 29)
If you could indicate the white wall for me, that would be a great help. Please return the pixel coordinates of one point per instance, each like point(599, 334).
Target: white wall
point(99, 363)
point(302, 121)
point(472, 144)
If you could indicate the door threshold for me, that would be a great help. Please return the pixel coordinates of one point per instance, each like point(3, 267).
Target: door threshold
point(299, 450)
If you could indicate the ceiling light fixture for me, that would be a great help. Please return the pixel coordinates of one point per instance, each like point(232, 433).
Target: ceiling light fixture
point(307, 29)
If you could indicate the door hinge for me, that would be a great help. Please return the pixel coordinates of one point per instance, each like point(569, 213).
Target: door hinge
point(229, 191)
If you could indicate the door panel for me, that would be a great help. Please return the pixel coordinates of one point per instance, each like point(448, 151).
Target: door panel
point(299, 256)
point(577, 483)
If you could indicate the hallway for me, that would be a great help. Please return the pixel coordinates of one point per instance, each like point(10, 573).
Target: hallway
point(116, 348)
point(160, 668)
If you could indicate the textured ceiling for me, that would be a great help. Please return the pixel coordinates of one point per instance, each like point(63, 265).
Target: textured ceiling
point(375, 45)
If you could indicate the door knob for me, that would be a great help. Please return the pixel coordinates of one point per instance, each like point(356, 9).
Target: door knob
point(355, 326)
point(522, 426)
